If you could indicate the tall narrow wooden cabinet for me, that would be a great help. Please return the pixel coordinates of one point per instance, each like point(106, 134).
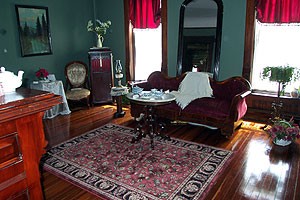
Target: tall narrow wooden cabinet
point(101, 75)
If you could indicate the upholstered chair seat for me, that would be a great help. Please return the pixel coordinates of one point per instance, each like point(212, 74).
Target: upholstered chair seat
point(77, 94)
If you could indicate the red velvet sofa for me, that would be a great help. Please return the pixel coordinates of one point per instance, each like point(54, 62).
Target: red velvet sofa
point(224, 110)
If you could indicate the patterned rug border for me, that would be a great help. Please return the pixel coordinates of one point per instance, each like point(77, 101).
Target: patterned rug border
point(205, 188)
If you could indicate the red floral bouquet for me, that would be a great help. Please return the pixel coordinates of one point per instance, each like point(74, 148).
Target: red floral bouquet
point(41, 73)
point(284, 130)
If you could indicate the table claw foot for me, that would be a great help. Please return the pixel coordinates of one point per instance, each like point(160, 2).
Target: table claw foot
point(138, 134)
point(140, 117)
point(151, 140)
point(135, 139)
point(166, 137)
point(163, 136)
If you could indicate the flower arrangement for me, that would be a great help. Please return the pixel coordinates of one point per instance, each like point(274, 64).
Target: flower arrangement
point(100, 28)
point(42, 73)
point(284, 130)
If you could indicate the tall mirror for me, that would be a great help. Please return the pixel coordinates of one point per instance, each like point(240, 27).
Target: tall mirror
point(199, 38)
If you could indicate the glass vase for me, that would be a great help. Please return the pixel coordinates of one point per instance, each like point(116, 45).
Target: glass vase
point(99, 41)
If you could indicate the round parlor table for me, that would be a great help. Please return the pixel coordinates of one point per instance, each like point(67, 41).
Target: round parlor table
point(147, 122)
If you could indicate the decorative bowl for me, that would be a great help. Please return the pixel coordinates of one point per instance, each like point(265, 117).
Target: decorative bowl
point(137, 90)
point(158, 93)
point(146, 95)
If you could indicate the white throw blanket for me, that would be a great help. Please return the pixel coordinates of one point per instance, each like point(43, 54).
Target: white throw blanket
point(194, 85)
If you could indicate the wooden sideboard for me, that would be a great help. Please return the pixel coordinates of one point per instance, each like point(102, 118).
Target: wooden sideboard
point(22, 142)
point(260, 107)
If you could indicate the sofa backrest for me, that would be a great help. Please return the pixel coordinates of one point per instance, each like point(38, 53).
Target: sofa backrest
point(229, 88)
point(160, 81)
point(225, 89)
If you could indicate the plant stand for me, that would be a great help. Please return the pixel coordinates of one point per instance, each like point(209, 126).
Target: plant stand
point(277, 106)
point(117, 93)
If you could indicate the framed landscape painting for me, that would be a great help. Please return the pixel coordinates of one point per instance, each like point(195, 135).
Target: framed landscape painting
point(34, 31)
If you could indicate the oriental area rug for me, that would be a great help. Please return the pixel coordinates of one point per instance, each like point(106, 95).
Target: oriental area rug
point(106, 163)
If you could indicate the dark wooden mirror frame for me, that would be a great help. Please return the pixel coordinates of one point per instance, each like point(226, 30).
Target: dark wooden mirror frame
point(217, 39)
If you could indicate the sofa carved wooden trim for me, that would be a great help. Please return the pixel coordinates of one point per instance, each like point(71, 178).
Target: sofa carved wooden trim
point(224, 110)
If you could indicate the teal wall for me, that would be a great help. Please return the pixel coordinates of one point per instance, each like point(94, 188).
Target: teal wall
point(173, 24)
point(113, 10)
point(71, 41)
point(232, 47)
point(232, 44)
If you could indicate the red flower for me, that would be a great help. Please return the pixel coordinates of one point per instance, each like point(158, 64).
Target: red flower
point(284, 130)
point(41, 73)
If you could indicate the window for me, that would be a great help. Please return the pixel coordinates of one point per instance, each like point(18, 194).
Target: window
point(130, 62)
point(268, 12)
point(148, 52)
point(275, 45)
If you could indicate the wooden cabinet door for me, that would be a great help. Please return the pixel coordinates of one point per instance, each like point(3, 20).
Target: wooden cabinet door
point(101, 82)
point(101, 75)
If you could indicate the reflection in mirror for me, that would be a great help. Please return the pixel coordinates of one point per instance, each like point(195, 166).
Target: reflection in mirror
point(200, 36)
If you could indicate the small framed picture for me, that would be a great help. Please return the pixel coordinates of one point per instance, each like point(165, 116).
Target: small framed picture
point(34, 30)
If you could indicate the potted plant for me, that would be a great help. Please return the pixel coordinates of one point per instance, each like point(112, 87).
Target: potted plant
point(284, 132)
point(100, 29)
point(280, 74)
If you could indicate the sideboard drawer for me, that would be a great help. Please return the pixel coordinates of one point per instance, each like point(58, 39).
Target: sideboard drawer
point(9, 149)
point(7, 128)
point(12, 179)
point(12, 173)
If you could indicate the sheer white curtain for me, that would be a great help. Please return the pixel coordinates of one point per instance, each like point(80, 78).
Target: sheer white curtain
point(275, 46)
point(148, 52)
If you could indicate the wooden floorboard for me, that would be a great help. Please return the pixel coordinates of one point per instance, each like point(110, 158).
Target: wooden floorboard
point(258, 169)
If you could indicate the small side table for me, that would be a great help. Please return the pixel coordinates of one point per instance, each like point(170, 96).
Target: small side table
point(55, 87)
point(118, 92)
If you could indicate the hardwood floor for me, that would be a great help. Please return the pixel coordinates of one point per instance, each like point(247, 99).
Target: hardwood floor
point(258, 169)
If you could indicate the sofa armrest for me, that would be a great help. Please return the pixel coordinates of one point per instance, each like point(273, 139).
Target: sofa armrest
point(229, 88)
point(238, 107)
point(235, 90)
point(245, 94)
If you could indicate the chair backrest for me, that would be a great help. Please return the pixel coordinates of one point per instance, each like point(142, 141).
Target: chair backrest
point(76, 73)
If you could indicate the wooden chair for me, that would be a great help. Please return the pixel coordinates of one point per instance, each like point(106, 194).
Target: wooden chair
point(77, 88)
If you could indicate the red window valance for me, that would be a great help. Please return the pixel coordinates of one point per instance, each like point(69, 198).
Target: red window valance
point(278, 11)
point(145, 13)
